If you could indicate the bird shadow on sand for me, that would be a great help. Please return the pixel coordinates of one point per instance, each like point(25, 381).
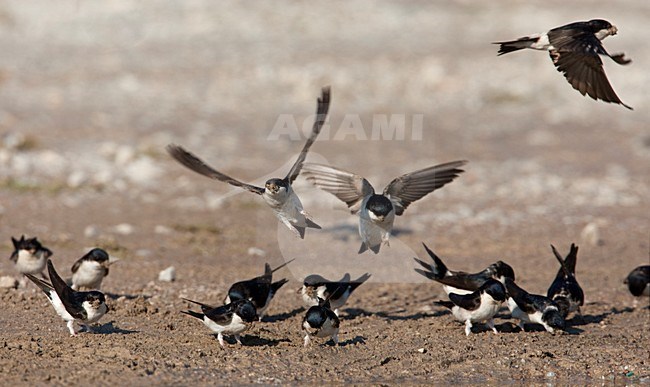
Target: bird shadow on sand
point(587, 319)
point(256, 341)
point(283, 316)
point(354, 341)
point(115, 296)
point(109, 329)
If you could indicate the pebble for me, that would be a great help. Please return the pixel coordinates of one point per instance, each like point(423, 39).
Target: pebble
point(8, 282)
point(124, 229)
point(590, 234)
point(162, 230)
point(256, 252)
point(422, 350)
point(550, 374)
point(167, 275)
point(91, 231)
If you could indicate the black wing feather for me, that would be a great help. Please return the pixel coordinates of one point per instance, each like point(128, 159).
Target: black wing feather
point(197, 165)
point(322, 108)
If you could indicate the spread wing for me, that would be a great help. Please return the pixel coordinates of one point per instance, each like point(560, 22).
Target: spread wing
point(71, 300)
point(576, 55)
point(347, 186)
point(322, 108)
point(466, 301)
point(197, 165)
point(410, 187)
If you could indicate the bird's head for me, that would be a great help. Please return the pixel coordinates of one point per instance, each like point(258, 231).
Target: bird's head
point(379, 207)
point(275, 186)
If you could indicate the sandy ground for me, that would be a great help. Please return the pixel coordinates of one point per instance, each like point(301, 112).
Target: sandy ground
point(91, 93)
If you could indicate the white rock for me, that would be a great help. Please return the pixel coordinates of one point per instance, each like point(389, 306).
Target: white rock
point(91, 231)
point(76, 179)
point(256, 252)
point(143, 171)
point(124, 155)
point(124, 229)
point(422, 350)
point(167, 275)
point(8, 282)
point(591, 233)
point(162, 230)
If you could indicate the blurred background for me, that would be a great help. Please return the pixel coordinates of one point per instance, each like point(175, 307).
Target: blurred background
point(91, 92)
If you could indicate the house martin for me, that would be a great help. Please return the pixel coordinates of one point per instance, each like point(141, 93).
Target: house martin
point(377, 212)
point(89, 270)
point(82, 307)
point(259, 290)
point(565, 290)
point(574, 49)
point(479, 306)
point(316, 287)
point(321, 321)
point(533, 308)
point(29, 256)
point(277, 192)
point(231, 319)
point(460, 282)
point(638, 281)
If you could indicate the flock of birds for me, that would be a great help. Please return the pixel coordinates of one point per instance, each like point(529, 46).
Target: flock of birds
point(473, 297)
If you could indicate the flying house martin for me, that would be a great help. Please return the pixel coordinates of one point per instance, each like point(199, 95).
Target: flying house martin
point(277, 192)
point(377, 211)
point(574, 49)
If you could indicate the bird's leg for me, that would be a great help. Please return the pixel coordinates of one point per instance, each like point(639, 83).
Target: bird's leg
point(221, 342)
point(71, 328)
point(307, 339)
point(468, 327)
point(238, 339)
point(335, 338)
point(490, 325)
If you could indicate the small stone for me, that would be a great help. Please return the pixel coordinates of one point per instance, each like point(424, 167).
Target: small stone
point(256, 252)
point(550, 374)
point(124, 229)
point(8, 282)
point(76, 179)
point(590, 234)
point(167, 275)
point(91, 231)
point(162, 230)
point(422, 350)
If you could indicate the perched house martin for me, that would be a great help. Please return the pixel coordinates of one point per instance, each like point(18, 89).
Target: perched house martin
point(316, 287)
point(29, 256)
point(565, 290)
point(460, 282)
point(321, 321)
point(89, 271)
point(575, 50)
point(231, 319)
point(277, 193)
point(478, 306)
point(638, 281)
point(377, 212)
point(83, 307)
point(533, 308)
point(259, 290)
